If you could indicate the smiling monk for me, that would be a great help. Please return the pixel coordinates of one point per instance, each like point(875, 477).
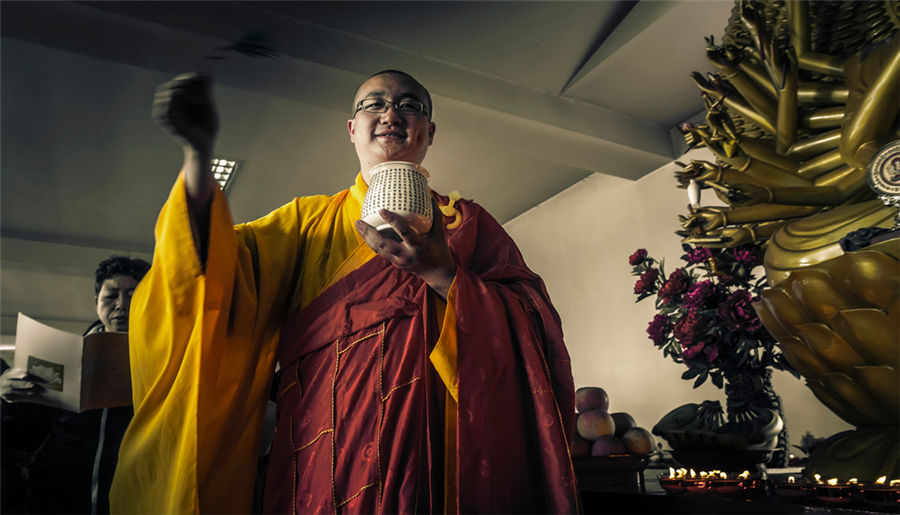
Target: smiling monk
point(427, 374)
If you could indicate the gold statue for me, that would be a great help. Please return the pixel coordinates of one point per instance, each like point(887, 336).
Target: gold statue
point(804, 102)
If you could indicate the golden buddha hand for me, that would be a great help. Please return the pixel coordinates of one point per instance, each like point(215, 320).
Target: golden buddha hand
point(698, 170)
point(706, 219)
point(743, 194)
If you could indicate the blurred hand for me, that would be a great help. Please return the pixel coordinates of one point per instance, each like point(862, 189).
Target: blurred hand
point(18, 385)
point(185, 107)
point(426, 255)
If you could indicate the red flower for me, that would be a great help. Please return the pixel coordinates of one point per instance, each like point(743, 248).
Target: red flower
point(647, 282)
point(691, 350)
point(638, 257)
point(738, 313)
point(688, 328)
point(675, 285)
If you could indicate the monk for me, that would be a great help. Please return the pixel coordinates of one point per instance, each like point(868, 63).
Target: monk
point(425, 373)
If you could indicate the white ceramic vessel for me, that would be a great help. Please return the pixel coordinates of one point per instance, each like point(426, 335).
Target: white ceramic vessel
point(402, 188)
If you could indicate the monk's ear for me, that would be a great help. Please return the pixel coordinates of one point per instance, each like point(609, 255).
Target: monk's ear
point(431, 128)
point(351, 128)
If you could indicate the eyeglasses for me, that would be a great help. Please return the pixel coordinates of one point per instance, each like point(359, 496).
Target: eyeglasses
point(404, 106)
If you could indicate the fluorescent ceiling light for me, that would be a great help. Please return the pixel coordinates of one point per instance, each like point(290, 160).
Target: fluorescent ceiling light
point(223, 171)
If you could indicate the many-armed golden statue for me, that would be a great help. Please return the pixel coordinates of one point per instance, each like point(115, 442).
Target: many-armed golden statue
point(801, 110)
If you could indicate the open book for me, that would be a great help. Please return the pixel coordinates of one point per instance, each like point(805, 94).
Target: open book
point(82, 372)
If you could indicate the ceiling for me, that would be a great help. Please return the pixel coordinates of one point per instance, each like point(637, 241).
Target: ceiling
point(530, 98)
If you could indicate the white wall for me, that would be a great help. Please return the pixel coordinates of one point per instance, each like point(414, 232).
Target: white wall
point(579, 242)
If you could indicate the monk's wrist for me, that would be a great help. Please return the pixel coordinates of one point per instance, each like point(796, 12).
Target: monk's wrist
point(440, 280)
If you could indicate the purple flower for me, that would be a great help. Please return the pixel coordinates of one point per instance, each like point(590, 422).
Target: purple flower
point(638, 257)
point(745, 254)
point(738, 313)
point(697, 255)
point(698, 293)
point(658, 328)
point(647, 282)
point(675, 285)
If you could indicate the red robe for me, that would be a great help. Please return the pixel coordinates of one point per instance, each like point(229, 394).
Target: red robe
point(361, 409)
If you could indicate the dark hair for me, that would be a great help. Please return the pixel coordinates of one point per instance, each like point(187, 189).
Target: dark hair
point(417, 83)
point(119, 265)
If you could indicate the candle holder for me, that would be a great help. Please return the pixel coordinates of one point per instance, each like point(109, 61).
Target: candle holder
point(797, 489)
point(881, 493)
point(696, 486)
point(682, 481)
point(671, 485)
point(836, 494)
point(730, 486)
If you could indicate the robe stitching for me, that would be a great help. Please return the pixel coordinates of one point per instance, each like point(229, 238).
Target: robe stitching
point(354, 496)
point(385, 399)
point(345, 349)
point(286, 388)
point(337, 363)
point(304, 446)
point(378, 506)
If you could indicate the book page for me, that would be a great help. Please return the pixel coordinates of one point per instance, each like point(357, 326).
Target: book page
point(106, 371)
point(54, 356)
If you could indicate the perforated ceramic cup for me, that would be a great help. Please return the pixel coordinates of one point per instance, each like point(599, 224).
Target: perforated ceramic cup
point(401, 188)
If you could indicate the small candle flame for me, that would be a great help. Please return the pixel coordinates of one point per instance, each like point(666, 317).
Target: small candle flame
point(703, 474)
point(693, 474)
point(744, 475)
point(671, 473)
point(723, 475)
point(881, 480)
point(895, 482)
point(791, 479)
point(852, 481)
point(831, 482)
point(818, 478)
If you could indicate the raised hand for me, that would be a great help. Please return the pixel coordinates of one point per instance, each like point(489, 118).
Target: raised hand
point(426, 255)
point(184, 106)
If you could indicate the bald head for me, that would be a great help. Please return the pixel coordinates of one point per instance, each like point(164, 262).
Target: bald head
point(417, 86)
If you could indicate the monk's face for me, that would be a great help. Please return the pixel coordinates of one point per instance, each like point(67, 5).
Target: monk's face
point(389, 136)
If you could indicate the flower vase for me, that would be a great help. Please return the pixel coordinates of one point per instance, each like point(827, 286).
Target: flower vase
point(747, 392)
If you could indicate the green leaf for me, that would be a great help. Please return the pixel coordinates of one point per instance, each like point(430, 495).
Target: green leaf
point(692, 372)
point(702, 379)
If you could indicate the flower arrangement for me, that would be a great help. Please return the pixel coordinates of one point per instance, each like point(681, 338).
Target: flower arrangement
point(706, 320)
point(705, 315)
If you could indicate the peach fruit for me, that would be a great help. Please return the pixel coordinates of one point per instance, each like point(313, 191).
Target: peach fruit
point(639, 441)
point(591, 398)
point(606, 445)
point(594, 424)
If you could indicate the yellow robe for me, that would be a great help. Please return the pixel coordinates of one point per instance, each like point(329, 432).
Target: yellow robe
point(203, 345)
